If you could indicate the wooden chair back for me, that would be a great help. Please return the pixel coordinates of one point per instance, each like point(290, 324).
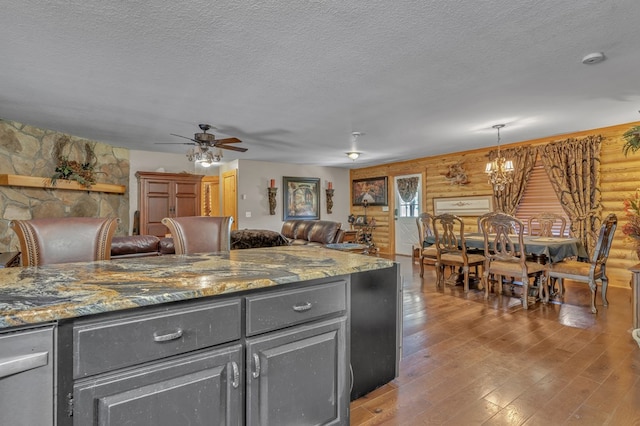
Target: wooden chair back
point(450, 243)
point(593, 270)
point(544, 224)
point(505, 255)
point(605, 238)
point(428, 254)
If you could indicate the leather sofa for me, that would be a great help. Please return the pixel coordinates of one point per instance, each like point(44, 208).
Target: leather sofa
point(150, 245)
point(312, 232)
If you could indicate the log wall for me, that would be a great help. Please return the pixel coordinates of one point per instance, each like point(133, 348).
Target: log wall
point(620, 176)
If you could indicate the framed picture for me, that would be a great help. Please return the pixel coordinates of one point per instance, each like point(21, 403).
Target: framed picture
point(360, 220)
point(301, 198)
point(464, 206)
point(371, 190)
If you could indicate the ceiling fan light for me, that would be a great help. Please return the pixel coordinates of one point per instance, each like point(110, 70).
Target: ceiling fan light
point(353, 155)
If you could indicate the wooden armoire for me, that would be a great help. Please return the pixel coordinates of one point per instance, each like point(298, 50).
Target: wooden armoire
point(163, 195)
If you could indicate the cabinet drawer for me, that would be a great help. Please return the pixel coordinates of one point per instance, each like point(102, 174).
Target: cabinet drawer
point(282, 309)
point(126, 341)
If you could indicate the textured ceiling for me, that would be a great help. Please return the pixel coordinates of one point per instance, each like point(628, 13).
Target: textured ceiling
point(293, 79)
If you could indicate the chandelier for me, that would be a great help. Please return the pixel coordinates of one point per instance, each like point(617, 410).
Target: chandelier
point(500, 170)
point(204, 157)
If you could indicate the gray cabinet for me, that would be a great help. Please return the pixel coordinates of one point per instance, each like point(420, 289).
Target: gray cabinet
point(296, 356)
point(270, 357)
point(26, 376)
point(160, 366)
point(298, 376)
point(199, 389)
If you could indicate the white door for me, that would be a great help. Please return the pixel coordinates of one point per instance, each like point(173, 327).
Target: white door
point(407, 209)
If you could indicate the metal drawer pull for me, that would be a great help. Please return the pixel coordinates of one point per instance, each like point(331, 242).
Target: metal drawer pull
point(256, 361)
point(302, 307)
point(173, 335)
point(236, 375)
point(20, 364)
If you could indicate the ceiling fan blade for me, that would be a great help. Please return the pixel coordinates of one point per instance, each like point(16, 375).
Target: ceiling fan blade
point(175, 143)
point(228, 140)
point(231, 147)
point(180, 136)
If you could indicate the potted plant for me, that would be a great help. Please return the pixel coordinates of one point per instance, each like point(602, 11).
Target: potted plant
point(632, 137)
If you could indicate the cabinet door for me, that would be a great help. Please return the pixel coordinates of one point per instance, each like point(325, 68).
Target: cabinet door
point(298, 376)
point(201, 389)
point(155, 204)
point(26, 377)
point(186, 199)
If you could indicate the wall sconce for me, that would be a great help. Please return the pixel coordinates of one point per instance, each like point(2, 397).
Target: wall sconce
point(272, 191)
point(329, 197)
point(353, 155)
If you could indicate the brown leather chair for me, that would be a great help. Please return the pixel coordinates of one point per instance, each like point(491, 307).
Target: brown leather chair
point(200, 234)
point(64, 239)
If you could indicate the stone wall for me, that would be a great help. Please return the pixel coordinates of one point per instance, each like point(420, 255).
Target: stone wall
point(29, 151)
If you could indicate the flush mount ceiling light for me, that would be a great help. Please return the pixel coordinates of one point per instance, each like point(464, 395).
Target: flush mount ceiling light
point(354, 137)
point(353, 155)
point(593, 58)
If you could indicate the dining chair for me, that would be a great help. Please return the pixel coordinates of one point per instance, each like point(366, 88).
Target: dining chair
point(451, 248)
point(64, 239)
point(200, 234)
point(542, 224)
point(592, 270)
point(505, 257)
point(428, 252)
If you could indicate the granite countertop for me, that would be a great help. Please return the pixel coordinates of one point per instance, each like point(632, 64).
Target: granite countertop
point(40, 294)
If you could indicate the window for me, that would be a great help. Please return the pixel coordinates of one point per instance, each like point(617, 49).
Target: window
point(408, 190)
point(539, 196)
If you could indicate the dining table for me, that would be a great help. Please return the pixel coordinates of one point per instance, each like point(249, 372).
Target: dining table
point(543, 249)
point(554, 249)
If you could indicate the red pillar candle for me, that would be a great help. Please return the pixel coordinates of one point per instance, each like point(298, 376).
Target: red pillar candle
point(273, 183)
point(330, 185)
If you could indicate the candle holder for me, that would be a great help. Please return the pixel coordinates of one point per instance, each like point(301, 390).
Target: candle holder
point(329, 200)
point(272, 200)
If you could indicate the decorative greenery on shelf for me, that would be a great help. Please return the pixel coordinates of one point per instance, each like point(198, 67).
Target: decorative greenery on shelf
point(66, 169)
point(632, 137)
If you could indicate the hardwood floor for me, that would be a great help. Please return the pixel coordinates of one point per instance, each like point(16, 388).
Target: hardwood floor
point(467, 361)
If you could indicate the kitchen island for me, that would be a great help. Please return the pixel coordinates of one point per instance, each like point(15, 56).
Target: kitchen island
point(263, 335)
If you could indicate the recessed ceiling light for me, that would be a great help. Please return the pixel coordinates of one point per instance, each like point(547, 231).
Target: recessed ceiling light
point(593, 58)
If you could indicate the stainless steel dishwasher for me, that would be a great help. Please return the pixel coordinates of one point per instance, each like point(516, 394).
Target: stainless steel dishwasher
point(27, 376)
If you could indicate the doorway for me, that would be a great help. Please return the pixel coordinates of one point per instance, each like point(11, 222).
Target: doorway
point(408, 199)
point(229, 198)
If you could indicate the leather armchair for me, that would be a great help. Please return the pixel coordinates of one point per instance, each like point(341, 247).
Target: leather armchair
point(64, 239)
point(200, 234)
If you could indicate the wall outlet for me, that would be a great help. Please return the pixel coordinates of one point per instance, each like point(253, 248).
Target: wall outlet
point(247, 214)
point(385, 208)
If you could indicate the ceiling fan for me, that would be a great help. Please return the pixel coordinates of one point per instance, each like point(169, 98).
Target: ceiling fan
point(205, 140)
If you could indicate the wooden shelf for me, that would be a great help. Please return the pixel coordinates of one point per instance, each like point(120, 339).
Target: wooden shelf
point(45, 183)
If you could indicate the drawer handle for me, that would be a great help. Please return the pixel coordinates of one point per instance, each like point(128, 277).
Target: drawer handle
point(256, 362)
point(236, 375)
point(302, 307)
point(20, 364)
point(173, 335)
